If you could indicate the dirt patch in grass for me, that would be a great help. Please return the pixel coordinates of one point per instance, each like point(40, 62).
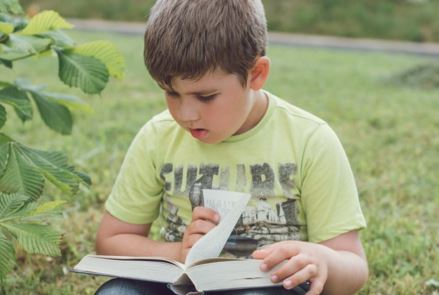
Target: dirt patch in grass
point(421, 76)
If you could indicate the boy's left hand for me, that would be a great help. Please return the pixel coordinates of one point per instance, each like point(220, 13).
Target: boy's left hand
point(305, 262)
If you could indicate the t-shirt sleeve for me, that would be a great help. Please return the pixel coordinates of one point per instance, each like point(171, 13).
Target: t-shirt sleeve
point(329, 193)
point(136, 194)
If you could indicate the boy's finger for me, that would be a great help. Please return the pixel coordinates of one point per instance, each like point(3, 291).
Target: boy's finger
point(277, 256)
point(192, 239)
point(200, 226)
point(303, 275)
point(316, 287)
point(205, 213)
point(260, 253)
point(293, 265)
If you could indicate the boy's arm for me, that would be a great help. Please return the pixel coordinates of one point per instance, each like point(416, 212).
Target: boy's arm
point(116, 237)
point(336, 266)
point(347, 264)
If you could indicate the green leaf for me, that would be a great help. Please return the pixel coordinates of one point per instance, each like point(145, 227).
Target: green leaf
point(70, 101)
point(10, 6)
point(4, 139)
point(84, 177)
point(20, 46)
point(2, 116)
point(10, 204)
point(19, 100)
point(6, 28)
point(16, 208)
point(107, 53)
point(14, 49)
point(4, 153)
point(36, 238)
point(24, 169)
point(56, 116)
point(23, 221)
point(18, 22)
point(19, 175)
point(54, 166)
point(86, 72)
point(59, 39)
point(45, 21)
point(3, 37)
point(47, 207)
point(6, 63)
point(4, 84)
point(7, 256)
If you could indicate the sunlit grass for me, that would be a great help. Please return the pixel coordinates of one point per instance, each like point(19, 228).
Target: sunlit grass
point(390, 132)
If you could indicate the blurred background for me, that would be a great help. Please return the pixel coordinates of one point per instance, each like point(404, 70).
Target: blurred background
point(383, 105)
point(413, 20)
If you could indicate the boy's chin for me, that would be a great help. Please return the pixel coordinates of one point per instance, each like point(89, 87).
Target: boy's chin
point(206, 136)
point(211, 140)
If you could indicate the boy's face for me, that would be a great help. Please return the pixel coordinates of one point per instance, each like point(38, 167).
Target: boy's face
point(215, 107)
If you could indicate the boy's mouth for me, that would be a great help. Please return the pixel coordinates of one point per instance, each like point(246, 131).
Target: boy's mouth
point(199, 133)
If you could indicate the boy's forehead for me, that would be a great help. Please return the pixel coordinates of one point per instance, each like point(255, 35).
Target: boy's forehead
point(207, 83)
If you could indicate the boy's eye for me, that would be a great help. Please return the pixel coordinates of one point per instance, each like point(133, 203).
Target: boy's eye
point(206, 97)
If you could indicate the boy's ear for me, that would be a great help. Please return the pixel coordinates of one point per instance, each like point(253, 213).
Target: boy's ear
point(259, 73)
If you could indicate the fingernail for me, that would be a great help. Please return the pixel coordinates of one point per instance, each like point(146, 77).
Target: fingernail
point(274, 278)
point(287, 283)
point(217, 218)
point(264, 267)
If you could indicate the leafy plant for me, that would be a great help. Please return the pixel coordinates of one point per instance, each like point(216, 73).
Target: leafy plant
point(24, 171)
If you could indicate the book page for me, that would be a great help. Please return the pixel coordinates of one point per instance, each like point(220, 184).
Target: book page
point(139, 268)
point(230, 206)
point(232, 274)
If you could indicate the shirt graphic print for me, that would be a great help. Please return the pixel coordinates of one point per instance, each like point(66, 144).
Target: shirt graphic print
point(270, 217)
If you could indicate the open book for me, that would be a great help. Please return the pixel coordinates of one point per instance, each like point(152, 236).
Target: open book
point(203, 270)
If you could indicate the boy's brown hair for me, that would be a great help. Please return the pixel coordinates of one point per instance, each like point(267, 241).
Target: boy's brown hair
point(188, 38)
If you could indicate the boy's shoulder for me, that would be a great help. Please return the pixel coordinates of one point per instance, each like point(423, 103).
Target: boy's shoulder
point(160, 125)
point(163, 117)
point(160, 120)
point(294, 113)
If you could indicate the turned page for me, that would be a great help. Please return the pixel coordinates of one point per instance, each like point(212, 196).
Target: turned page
point(230, 206)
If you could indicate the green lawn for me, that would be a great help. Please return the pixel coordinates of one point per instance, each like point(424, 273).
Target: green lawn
point(391, 135)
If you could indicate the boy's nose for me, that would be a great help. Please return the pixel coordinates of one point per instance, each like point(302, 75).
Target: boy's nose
point(188, 112)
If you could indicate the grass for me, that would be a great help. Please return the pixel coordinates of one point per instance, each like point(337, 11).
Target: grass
point(390, 133)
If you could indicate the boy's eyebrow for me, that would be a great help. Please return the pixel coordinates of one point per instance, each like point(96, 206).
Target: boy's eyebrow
point(200, 92)
point(203, 92)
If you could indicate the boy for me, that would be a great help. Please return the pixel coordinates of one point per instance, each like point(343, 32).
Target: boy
point(223, 131)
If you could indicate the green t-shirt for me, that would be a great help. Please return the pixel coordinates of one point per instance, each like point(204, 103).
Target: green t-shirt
point(291, 163)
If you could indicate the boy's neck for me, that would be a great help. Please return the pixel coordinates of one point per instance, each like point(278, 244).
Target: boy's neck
point(257, 113)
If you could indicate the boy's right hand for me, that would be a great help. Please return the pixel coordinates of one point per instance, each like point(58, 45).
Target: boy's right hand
point(203, 220)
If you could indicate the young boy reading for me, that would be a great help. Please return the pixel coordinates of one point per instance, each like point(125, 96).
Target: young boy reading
point(223, 131)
